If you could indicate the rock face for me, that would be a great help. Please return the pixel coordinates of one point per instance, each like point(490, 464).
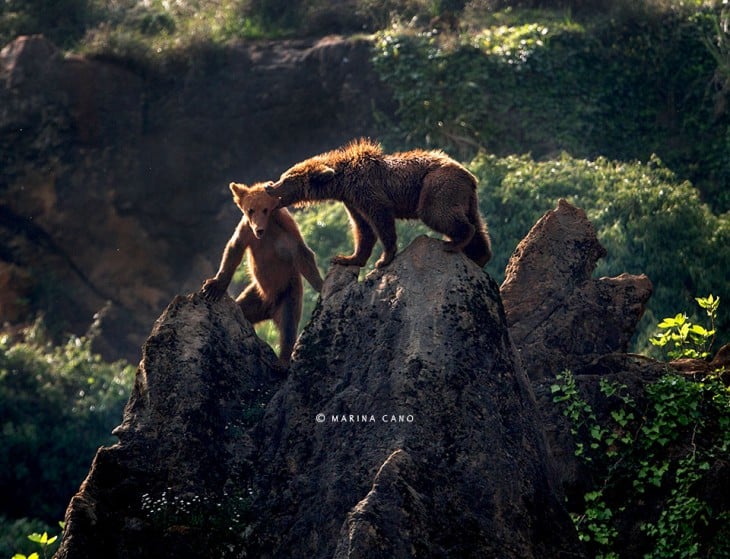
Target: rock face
point(558, 315)
point(184, 441)
point(113, 174)
point(445, 451)
point(406, 427)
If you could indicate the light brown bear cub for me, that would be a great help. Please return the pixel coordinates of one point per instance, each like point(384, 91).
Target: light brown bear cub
point(378, 188)
point(277, 258)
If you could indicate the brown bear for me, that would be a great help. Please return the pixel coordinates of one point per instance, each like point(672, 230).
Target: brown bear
point(277, 258)
point(378, 188)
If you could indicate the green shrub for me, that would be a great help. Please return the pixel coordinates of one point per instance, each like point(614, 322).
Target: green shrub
point(648, 220)
point(14, 535)
point(649, 462)
point(62, 21)
point(57, 406)
point(541, 83)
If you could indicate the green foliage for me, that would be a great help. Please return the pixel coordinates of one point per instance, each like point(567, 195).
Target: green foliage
point(14, 535)
point(64, 22)
point(44, 541)
point(660, 450)
point(688, 339)
point(58, 404)
point(48, 544)
point(620, 87)
point(648, 220)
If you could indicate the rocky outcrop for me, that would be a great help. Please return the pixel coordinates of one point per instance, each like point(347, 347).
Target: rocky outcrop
point(558, 315)
point(184, 442)
point(405, 427)
point(415, 379)
point(114, 172)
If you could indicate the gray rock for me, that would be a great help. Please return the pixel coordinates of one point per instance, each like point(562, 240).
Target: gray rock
point(202, 383)
point(428, 443)
point(406, 427)
point(560, 317)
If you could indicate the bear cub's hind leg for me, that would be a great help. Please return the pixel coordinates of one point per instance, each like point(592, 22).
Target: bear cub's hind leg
point(254, 308)
point(286, 317)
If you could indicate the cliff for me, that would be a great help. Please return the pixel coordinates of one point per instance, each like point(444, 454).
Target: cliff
point(406, 427)
point(113, 174)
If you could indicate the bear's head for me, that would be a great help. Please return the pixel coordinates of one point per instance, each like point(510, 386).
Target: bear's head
point(256, 205)
point(305, 182)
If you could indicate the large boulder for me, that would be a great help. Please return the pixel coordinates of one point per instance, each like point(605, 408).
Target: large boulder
point(184, 441)
point(405, 427)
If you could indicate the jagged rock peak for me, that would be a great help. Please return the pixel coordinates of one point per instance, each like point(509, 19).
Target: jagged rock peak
point(558, 315)
point(183, 443)
point(406, 427)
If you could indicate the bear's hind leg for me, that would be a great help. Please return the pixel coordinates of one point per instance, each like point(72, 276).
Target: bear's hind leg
point(455, 225)
point(383, 221)
point(448, 204)
point(364, 238)
point(460, 233)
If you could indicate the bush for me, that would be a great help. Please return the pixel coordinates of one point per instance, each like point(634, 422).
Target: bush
point(57, 406)
point(543, 83)
point(653, 464)
point(63, 22)
point(14, 535)
point(648, 220)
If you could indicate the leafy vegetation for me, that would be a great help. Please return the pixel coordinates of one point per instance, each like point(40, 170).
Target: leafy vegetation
point(623, 86)
point(14, 536)
point(658, 450)
point(685, 338)
point(58, 404)
point(46, 544)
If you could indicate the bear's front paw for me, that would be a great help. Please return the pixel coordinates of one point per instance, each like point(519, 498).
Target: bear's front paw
point(213, 289)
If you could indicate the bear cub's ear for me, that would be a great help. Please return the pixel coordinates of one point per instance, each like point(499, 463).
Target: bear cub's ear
point(238, 190)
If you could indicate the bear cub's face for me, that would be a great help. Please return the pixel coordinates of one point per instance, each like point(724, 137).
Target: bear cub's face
point(256, 205)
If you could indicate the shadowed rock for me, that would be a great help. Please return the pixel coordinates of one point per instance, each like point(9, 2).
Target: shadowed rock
point(406, 427)
point(202, 382)
point(559, 317)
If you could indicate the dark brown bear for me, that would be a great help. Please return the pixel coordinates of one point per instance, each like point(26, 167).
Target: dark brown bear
point(277, 258)
point(378, 188)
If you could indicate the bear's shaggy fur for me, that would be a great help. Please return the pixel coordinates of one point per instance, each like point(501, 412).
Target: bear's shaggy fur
point(378, 188)
point(277, 258)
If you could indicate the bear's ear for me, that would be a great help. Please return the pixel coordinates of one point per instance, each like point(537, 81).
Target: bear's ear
point(238, 190)
point(322, 174)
